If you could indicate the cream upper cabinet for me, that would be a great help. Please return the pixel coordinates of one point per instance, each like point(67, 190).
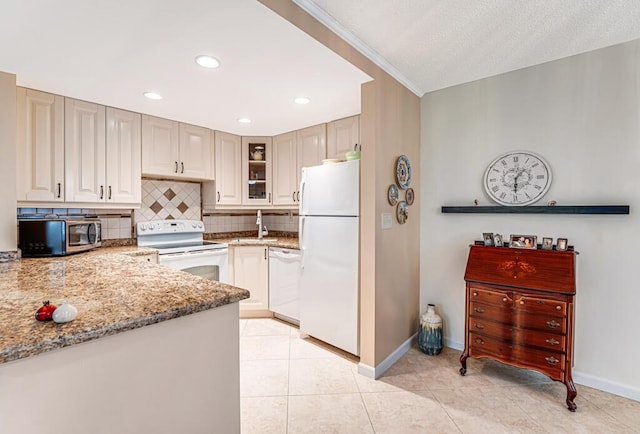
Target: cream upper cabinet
point(195, 152)
point(228, 176)
point(342, 136)
point(291, 152)
point(160, 149)
point(256, 171)
point(175, 150)
point(123, 177)
point(251, 272)
point(84, 151)
point(40, 146)
point(285, 166)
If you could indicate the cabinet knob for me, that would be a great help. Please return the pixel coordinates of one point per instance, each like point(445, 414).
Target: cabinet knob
point(521, 301)
point(475, 294)
point(504, 299)
point(558, 307)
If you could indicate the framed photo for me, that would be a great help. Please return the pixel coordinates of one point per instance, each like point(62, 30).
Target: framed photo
point(523, 241)
point(547, 243)
point(487, 237)
point(497, 240)
point(562, 244)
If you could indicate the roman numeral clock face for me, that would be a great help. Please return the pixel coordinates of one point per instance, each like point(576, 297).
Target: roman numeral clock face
point(517, 178)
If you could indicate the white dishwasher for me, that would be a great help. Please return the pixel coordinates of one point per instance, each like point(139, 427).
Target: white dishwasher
point(284, 283)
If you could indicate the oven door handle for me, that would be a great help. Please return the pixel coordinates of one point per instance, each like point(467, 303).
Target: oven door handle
point(216, 252)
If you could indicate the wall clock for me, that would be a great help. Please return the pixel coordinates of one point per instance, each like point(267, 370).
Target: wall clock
point(517, 178)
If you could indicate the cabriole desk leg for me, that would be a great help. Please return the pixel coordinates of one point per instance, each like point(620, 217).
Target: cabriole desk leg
point(463, 362)
point(571, 395)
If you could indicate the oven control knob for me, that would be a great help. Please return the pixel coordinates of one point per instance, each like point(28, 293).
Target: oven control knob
point(199, 225)
point(151, 226)
point(143, 227)
point(194, 225)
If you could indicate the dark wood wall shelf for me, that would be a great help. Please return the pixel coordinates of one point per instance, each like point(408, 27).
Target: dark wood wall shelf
point(577, 209)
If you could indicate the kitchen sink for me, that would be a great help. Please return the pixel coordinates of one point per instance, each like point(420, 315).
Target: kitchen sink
point(256, 240)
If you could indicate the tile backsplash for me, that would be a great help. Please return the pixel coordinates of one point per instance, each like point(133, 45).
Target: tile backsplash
point(162, 200)
point(274, 221)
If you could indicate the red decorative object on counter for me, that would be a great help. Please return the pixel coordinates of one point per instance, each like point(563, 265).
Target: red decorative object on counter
point(45, 313)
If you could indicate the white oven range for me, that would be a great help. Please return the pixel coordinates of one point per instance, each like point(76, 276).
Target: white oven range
point(181, 246)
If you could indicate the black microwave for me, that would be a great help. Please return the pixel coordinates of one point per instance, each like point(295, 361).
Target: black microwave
point(58, 237)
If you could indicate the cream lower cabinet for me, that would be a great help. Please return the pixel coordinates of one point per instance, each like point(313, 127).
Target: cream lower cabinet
point(290, 153)
point(342, 136)
point(40, 146)
point(251, 272)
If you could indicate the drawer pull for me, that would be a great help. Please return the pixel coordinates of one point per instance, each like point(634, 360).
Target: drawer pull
point(521, 301)
point(553, 324)
point(479, 326)
point(551, 360)
point(558, 307)
point(479, 309)
point(504, 298)
point(479, 341)
point(475, 294)
point(552, 341)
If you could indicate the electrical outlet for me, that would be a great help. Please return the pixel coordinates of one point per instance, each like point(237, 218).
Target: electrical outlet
point(387, 220)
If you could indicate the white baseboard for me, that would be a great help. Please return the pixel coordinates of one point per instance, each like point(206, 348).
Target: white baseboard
point(453, 344)
point(606, 385)
point(376, 372)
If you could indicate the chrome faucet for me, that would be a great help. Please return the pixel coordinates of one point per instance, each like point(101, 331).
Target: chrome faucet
point(262, 230)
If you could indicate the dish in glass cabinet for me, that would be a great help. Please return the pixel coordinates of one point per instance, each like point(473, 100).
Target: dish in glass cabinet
point(402, 212)
point(332, 160)
point(392, 194)
point(409, 196)
point(403, 172)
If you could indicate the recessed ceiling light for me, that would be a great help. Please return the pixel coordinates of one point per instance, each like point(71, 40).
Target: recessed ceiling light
point(152, 95)
point(244, 120)
point(207, 61)
point(302, 100)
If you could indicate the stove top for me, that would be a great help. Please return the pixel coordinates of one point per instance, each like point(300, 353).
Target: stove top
point(175, 236)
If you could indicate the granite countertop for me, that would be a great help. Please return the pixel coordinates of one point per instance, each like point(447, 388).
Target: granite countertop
point(113, 291)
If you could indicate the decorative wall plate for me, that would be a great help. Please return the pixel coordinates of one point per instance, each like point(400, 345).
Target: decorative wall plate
point(392, 194)
point(402, 212)
point(409, 196)
point(403, 172)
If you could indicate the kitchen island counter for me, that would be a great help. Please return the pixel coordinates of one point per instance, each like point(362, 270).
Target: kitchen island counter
point(113, 291)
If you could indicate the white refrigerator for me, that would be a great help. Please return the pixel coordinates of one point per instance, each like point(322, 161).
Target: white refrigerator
point(329, 245)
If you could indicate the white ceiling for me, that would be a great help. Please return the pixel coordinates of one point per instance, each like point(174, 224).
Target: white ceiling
point(433, 44)
point(110, 52)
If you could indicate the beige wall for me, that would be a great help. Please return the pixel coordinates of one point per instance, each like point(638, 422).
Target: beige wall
point(8, 223)
point(389, 259)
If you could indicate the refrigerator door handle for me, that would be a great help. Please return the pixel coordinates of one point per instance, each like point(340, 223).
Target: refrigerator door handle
point(302, 220)
point(303, 181)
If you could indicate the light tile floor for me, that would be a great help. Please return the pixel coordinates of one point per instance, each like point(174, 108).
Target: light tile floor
point(290, 384)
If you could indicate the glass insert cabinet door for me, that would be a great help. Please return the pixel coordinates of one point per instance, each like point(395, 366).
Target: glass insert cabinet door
point(256, 155)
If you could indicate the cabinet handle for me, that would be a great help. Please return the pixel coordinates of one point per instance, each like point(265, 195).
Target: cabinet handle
point(551, 360)
point(552, 341)
point(478, 326)
point(176, 168)
point(181, 167)
point(218, 196)
point(558, 307)
point(109, 193)
point(59, 190)
point(298, 196)
point(269, 197)
point(553, 324)
point(293, 196)
point(102, 192)
point(478, 309)
point(479, 341)
point(265, 254)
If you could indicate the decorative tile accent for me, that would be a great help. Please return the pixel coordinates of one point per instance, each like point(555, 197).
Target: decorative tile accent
point(167, 200)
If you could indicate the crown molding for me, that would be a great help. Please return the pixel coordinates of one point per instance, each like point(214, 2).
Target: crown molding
point(323, 17)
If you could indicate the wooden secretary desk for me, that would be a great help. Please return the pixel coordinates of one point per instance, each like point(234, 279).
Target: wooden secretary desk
point(519, 310)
